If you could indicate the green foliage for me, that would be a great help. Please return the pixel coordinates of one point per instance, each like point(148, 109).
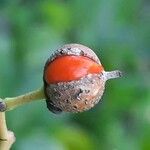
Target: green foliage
point(118, 31)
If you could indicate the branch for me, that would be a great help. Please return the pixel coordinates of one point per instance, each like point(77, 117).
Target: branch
point(6, 144)
point(3, 127)
point(7, 138)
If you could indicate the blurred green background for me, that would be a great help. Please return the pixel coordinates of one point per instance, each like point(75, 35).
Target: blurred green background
point(118, 31)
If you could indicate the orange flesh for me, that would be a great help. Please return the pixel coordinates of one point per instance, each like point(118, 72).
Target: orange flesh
point(68, 68)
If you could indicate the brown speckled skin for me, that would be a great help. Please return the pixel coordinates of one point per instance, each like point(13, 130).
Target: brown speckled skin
point(78, 95)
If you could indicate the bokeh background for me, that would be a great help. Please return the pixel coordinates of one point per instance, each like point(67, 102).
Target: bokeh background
point(118, 31)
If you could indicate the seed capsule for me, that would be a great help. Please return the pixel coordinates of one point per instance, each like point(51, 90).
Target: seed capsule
point(74, 79)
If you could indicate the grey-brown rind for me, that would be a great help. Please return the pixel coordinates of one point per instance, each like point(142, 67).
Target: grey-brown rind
point(74, 49)
point(76, 96)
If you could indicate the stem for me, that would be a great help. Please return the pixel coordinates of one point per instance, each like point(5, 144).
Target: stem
point(7, 138)
point(3, 127)
point(112, 74)
point(14, 102)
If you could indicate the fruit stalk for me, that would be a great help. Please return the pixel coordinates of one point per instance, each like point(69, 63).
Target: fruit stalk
point(10, 103)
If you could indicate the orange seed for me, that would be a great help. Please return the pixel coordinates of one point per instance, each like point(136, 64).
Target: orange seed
point(70, 67)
